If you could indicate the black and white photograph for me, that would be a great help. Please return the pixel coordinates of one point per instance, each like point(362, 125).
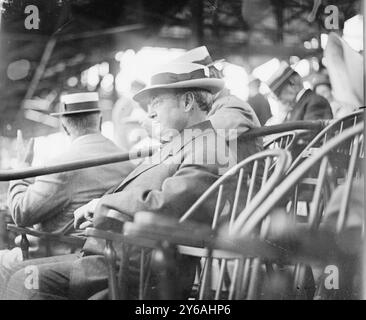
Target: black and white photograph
point(182, 155)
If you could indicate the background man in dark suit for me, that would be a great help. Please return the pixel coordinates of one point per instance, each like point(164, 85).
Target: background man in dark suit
point(258, 102)
point(301, 103)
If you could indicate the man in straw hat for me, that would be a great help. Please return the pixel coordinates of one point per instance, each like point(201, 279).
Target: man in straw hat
point(168, 183)
point(300, 103)
point(48, 202)
point(228, 112)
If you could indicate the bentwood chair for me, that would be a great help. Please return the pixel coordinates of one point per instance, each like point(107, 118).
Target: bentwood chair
point(303, 244)
point(301, 197)
point(245, 185)
point(332, 129)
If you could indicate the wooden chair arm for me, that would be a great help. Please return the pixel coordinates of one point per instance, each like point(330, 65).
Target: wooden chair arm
point(149, 228)
point(157, 227)
point(299, 245)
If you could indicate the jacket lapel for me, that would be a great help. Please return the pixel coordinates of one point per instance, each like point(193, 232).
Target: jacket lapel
point(298, 109)
point(167, 150)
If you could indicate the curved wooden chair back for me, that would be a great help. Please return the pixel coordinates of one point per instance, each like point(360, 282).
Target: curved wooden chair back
point(334, 128)
point(249, 224)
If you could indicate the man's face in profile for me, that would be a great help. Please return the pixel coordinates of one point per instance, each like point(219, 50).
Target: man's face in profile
point(167, 114)
point(288, 94)
point(325, 91)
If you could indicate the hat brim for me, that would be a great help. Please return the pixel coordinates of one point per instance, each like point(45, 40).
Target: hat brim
point(75, 112)
point(209, 84)
point(214, 62)
point(276, 85)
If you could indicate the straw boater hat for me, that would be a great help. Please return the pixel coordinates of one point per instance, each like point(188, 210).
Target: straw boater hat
point(199, 55)
point(179, 76)
point(76, 103)
point(280, 77)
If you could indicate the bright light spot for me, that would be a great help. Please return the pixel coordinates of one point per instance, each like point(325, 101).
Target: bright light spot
point(72, 82)
point(307, 45)
point(107, 82)
point(294, 59)
point(93, 76)
point(108, 129)
point(49, 147)
point(307, 85)
point(266, 70)
point(235, 78)
point(352, 32)
point(140, 65)
point(127, 57)
point(103, 69)
point(18, 69)
point(302, 68)
point(118, 56)
point(314, 43)
point(123, 84)
point(84, 78)
point(323, 40)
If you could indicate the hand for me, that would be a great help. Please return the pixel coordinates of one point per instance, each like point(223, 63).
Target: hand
point(83, 216)
point(25, 154)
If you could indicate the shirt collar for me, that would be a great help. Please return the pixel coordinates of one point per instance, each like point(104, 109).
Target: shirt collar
point(300, 94)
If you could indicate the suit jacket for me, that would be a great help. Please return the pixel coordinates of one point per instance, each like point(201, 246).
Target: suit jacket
point(310, 107)
point(235, 116)
point(261, 108)
point(168, 183)
point(171, 180)
point(48, 202)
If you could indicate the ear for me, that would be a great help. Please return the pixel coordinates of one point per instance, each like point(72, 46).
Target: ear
point(188, 101)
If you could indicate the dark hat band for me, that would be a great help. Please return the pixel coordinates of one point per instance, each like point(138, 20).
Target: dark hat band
point(206, 61)
point(74, 107)
point(169, 78)
point(278, 83)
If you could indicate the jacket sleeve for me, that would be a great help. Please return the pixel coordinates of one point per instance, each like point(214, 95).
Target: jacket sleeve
point(318, 109)
point(177, 193)
point(31, 203)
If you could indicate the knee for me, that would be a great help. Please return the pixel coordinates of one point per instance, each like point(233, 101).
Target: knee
point(23, 284)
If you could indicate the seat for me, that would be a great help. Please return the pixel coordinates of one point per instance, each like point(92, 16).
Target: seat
point(168, 237)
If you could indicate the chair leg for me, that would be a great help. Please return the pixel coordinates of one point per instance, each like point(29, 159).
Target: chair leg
point(242, 293)
point(206, 280)
point(304, 285)
point(123, 274)
point(236, 284)
point(24, 246)
point(253, 290)
point(164, 264)
point(110, 256)
point(220, 280)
